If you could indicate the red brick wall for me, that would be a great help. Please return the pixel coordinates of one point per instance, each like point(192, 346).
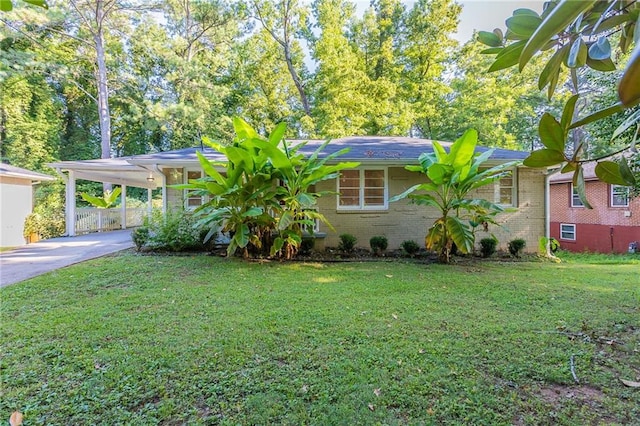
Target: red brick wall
point(601, 229)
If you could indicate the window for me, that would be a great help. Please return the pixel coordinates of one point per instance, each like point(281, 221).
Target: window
point(575, 198)
point(505, 190)
point(567, 231)
point(362, 189)
point(192, 201)
point(619, 196)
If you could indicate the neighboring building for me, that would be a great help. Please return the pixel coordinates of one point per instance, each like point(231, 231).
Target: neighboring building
point(361, 206)
point(16, 202)
point(612, 224)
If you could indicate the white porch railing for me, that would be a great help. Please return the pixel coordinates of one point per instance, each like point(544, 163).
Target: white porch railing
point(94, 219)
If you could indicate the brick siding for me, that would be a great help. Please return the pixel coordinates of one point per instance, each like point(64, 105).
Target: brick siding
point(601, 229)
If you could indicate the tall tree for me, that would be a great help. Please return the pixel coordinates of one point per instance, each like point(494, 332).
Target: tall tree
point(284, 20)
point(426, 52)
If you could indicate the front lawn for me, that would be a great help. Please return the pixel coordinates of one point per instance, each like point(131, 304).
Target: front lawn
point(203, 340)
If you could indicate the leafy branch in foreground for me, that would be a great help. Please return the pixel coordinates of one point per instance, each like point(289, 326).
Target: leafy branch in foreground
point(580, 34)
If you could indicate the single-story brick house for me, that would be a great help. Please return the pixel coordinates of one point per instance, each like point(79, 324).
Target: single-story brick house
point(361, 206)
point(16, 201)
point(609, 227)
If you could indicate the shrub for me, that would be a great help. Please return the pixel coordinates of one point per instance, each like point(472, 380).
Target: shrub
point(554, 245)
point(516, 246)
point(140, 237)
point(347, 243)
point(47, 224)
point(306, 246)
point(410, 247)
point(175, 231)
point(378, 244)
point(488, 246)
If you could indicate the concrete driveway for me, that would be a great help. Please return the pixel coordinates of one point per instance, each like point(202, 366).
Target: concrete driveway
point(36, 259)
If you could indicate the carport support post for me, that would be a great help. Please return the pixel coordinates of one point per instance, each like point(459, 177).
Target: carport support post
point(149, 202)
point(71, 204)
point(123, 207)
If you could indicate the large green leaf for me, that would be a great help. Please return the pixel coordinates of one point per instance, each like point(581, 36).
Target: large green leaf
point(626, 173)
point(209, 169)
point(463, 149)
point(6, 5)
point(577, 54)
point(557, 20)
point(609, 172)
point(578, 185)
point(243, 130)
point(460, 233)
point(598, 115)
point(567, 115)
point(552, 68)
point(523, 24)
point(551, 133)
point(94, 201)
point(544, 158)
point(605, 65)
point(508, 57)
point(601, 49)
point(629, 86)
point(490, 39)
point(439, 173)
point(277, 134)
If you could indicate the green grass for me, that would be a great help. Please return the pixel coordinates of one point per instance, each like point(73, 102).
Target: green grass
point(202, 340)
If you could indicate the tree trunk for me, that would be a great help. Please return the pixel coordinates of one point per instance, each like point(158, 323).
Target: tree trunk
point(104, 114)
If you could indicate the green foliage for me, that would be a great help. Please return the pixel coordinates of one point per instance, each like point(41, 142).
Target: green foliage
point(452, 176)
point(265, 199)
point(175, 231)
point(347, 243)
point(140, 236)
point(410, 247)
point(545, 242)
point(579, 33)
point(378, 244)
point(107, 200)
point(488, 246)
point(307, 245)
point(46, 224)
point(516, 246)
point(7, 5)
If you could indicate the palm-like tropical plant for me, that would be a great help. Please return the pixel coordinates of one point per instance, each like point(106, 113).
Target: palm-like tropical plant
point(265, 199)
point(452, 176)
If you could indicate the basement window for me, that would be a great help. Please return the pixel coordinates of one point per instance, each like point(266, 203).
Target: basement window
point(568, 231)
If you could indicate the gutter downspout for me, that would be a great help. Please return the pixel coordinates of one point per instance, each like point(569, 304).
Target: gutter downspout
point(547, 208)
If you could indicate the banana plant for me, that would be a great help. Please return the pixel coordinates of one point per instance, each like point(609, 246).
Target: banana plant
point(452, 176)
point(264, 200)
point(104, 202)
point(297, 176)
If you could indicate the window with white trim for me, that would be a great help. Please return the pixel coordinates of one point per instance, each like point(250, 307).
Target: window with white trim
point(192, 201)
point(575, 198)
point(363, 189)
point(619, 196)
point(568, 231)
point(505, 190)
